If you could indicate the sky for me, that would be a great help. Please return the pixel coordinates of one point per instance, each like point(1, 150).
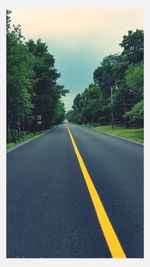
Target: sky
point(78, 38)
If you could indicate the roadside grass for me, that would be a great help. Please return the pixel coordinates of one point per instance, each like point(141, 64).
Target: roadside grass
point(24, 138)
point(134, 134)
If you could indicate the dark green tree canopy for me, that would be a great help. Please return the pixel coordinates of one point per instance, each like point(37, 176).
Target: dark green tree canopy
point(32, 87)
point(118, 86)
point(133, 45)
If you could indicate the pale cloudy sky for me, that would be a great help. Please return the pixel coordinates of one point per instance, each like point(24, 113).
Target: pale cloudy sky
point(78, 39)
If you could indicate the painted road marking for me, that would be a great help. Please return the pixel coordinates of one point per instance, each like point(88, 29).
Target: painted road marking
point(111, 238)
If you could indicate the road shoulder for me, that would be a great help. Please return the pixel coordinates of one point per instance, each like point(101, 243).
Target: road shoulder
point(116, 136)
point(29, 140)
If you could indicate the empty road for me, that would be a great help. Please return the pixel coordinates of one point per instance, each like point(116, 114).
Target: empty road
point(75, 193)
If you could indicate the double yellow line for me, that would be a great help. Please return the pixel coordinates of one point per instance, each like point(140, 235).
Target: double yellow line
point(111, 238)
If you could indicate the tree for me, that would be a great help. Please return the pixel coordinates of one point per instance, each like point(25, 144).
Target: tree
point(122, 102)
point(124, 72)
point(129, 92)
point(133, 45)
point(134, 78)
point(59, 113)
point(32, 87)
point(87, 106)
point(77, 109)
point(46, 90)
point(70, 115)
point(111, 69)
point(136, 114)
point(19, 81)
point(93, 104)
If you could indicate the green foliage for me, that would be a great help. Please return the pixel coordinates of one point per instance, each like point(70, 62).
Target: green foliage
point(25, 136)
point(123, 100)
point(107, 73)
point(70, 115)
point(86, 106)
point(91, 101)
point(8, 20)
point(32, 87)
point(133, 45)
point(59, 112)
point(129, 92)
point(135, 134)
point(134, 79)
point(75, 115)
point(46, 90)
point(19, 82)
point(120, 73)
point(136, 114)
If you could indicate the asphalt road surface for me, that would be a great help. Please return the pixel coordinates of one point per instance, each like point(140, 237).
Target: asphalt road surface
point(51, 212)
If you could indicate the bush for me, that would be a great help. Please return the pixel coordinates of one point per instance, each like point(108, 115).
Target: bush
point(12, 136)
point(136, 114)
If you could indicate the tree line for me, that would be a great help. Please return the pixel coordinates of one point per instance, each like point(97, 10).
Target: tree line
point(117, 88)
point(33, 94)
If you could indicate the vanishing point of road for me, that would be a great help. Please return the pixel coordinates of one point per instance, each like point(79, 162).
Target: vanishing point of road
point(75, 193)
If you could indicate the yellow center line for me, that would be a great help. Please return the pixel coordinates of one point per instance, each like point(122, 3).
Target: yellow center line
point(111, 238)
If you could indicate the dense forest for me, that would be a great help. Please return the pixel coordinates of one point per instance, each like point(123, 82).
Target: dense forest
point(33, 94)
point(116, 94)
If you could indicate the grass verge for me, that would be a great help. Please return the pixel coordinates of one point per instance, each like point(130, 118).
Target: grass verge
point(25, 138)
point(134, 134)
